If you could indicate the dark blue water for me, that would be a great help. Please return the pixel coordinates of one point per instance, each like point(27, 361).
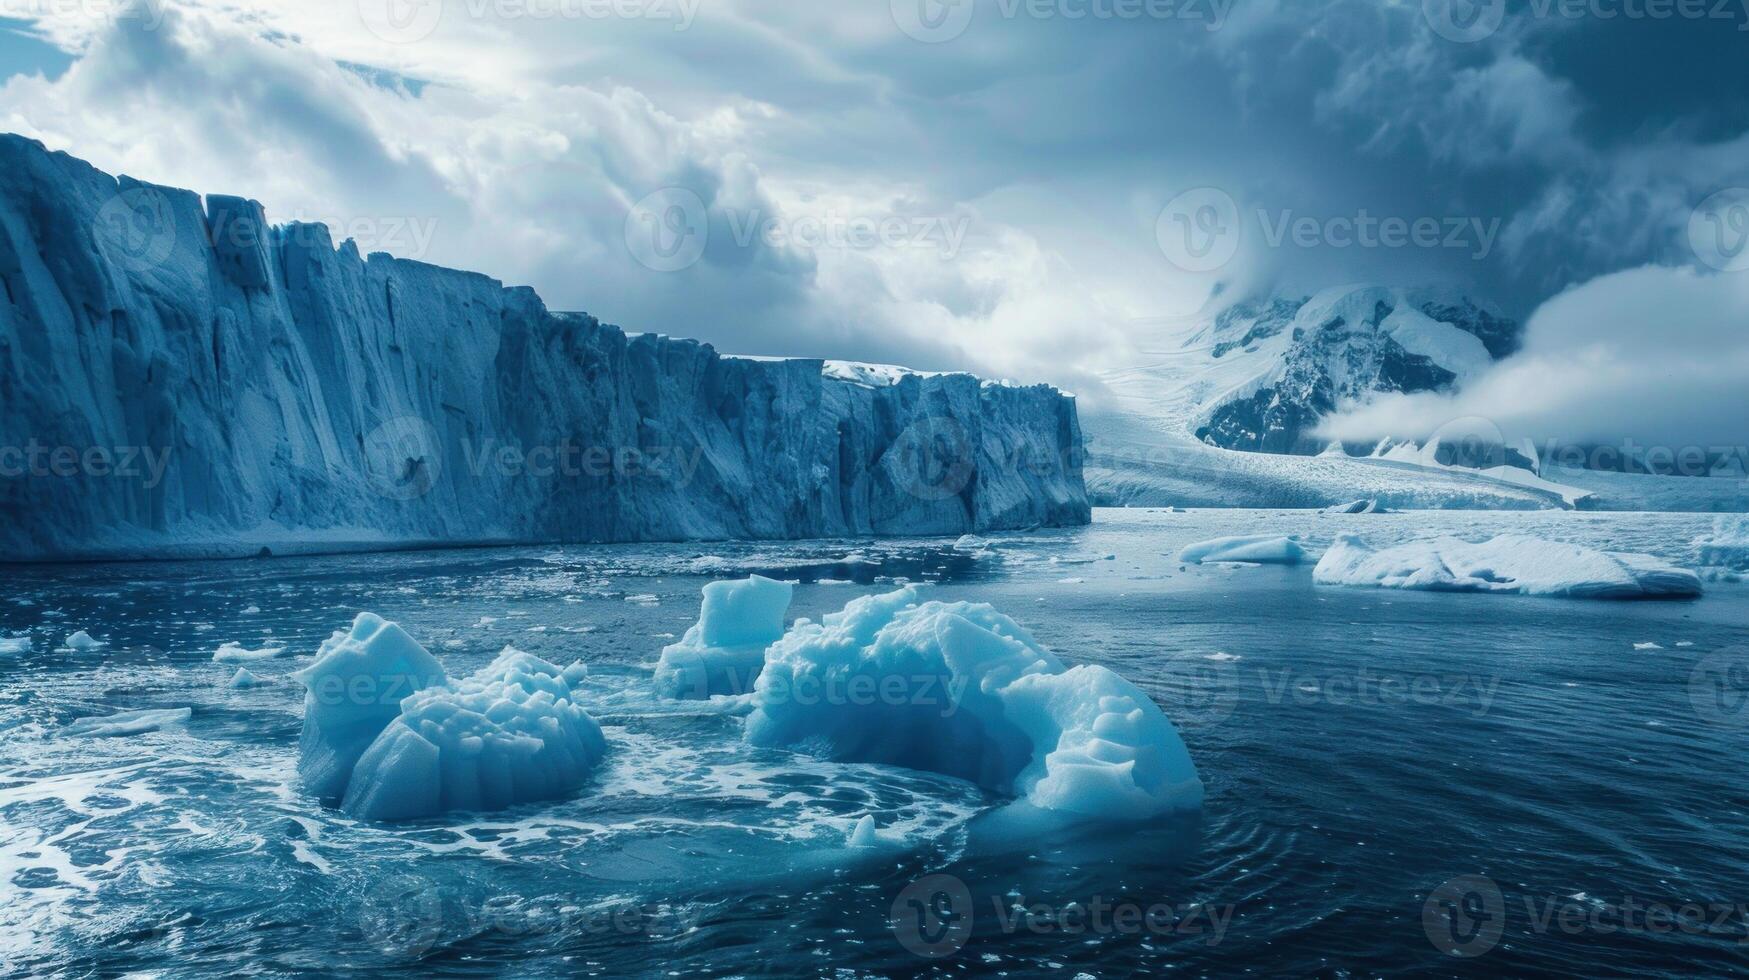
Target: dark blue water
point(1392, 777)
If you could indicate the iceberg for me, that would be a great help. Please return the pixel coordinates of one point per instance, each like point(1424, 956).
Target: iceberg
point(129, 722)
point(318, 398)
point(1262, 549)
point(962, 690)
point(1510, 563)
point(1729, 546)
point(14, 644)
point(391, 737)
point(724, 651)
point(82, 642)
point(242, 679)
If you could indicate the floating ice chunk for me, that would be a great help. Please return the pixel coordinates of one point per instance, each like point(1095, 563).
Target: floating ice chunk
point(724, 651)
point(352, 692)
point(863, 834)
point(1647, 646)
point(14, 644)
point(236, 653)
point(1358, 507)
point(82, 642)
point(392, 737)
point(252, 611)
point(969, 542)
point(129, 722)
point(243, 679)
point(644, 599)
point(963, 690)
point(1729, 545)
point(1509, 563)
point(1264, 549)
point(510, 734)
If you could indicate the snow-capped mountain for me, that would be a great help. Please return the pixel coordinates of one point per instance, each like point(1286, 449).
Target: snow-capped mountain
point(1260, 376)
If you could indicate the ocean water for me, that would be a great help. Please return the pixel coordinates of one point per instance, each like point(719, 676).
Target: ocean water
point(1397, 782)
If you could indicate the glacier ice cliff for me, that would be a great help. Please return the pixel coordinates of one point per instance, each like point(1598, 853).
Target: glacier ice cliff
point(179, 377)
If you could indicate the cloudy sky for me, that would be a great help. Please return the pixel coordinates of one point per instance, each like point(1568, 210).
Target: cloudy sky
point(1026, 188)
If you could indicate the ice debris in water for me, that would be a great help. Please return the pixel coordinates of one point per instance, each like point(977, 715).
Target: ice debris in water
point(236, 653)
point(963, 690)
point(392, 737)
point(1508, 563)
point(14, 644)
point(82, 642)
point(129, 722)
point(1263, 549)
point(724, 651)
point(863, 834)
point(1729, 545)
point(243, 679)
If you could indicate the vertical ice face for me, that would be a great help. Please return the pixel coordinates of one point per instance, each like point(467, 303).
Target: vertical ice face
point(215, 385)
point(724, 651)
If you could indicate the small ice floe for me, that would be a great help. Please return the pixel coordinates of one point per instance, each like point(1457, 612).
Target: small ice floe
point(723, 652)
point(1071, 581)
point(1358, 507)
point(1684, 644)
point(485, 621)
point(834, 581)
point(252, 611)
point(243, 679)
point(128, 723)
point(14, 644)
point(1261, 549)
point(1511, 563)
point(237, 653)
point(644, 599)
point(1223, 656)
point(1647, 646)
point(82, 642)
point(863, 834)
point(970, 542)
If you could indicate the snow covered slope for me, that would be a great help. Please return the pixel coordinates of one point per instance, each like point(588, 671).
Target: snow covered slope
point(1260, 376)
point(221, 386)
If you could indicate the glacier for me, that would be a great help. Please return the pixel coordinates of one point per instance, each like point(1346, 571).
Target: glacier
point(392, 737)
point(1511, 563)
point(179, 378)
point(723, 653)
point(962, 690)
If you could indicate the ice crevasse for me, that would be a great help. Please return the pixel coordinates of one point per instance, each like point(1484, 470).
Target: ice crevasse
point(960, 689)
point(391, 736)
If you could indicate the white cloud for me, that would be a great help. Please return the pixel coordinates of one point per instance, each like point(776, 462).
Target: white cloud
point(1655, 354)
